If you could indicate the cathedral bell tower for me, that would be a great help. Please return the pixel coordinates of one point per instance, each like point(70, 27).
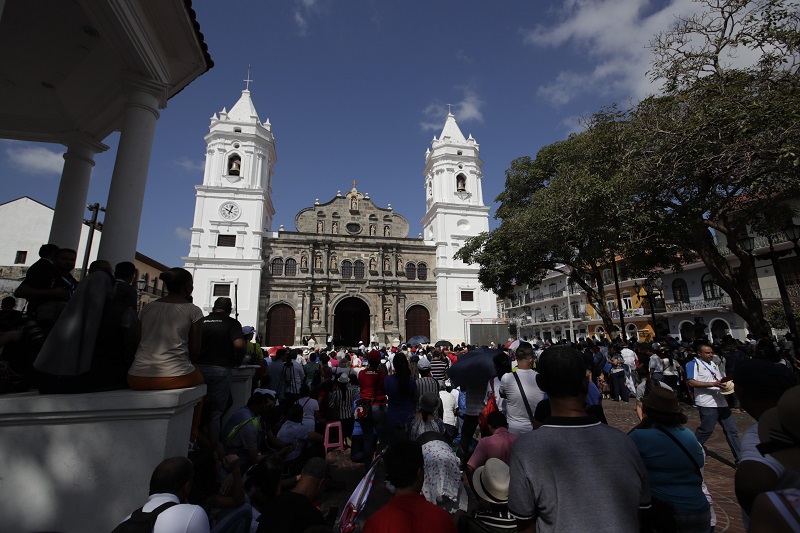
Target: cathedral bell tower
point(454, 213)
point(233, 210)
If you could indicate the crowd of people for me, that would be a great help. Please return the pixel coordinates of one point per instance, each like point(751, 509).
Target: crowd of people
point(524, 435)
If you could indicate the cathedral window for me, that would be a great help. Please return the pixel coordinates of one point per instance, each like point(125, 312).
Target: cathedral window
point(422, 271)
point(411, 271)
point(222, 289)
point(226, 241)
point(290, 268)
point(234, 165)
point(347, 269)
point(461, 183)
point(467, 296)
point(277, 266)
point(358, 270)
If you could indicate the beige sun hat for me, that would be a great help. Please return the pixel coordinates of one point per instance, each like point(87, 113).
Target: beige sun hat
point(726, 387)
point(491, 481)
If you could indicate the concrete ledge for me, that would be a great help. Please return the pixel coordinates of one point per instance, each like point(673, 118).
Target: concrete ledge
point(82, 462)
point(241, 384)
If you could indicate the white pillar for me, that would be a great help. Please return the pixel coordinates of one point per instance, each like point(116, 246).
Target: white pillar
point(126, 195)
point(65, 230)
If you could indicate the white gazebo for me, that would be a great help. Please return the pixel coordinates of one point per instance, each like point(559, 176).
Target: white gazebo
point(72, 72)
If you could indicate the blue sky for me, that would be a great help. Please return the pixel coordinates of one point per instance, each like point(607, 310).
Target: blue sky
point(357, 89)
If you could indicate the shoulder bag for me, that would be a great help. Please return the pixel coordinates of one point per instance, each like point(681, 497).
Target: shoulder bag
point(524, 398)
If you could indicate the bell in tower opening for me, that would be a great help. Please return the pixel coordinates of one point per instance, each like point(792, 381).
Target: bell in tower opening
point(461, 183)
point(234, 165)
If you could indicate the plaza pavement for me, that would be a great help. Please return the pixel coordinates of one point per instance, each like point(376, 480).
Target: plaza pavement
point(719, 472)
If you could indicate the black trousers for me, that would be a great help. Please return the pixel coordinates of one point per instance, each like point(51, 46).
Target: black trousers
point(619, 390)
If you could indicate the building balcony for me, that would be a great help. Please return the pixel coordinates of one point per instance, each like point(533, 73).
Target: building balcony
point(547, 318)
point(760, 242)
point(723, 302)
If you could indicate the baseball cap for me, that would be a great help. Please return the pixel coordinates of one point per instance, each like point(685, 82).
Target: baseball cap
point(423, 363)
point(247, 330)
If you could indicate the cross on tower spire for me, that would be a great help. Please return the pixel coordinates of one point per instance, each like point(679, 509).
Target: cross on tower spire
point(248, 80)
point(354, 183)
point(449, 108)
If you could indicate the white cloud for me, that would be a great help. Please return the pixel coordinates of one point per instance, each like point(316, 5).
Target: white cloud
point(468, 109)
point(574, 123)
point(461, 55)
point(614, 35)
point(190, 165)
point(302, 23)
point(302, 11)
point(32, 159)
point(183, 234)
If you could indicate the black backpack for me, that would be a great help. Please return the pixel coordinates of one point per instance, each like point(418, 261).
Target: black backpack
point(141, 522)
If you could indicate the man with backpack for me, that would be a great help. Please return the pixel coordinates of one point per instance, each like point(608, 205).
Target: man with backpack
point(165, 511)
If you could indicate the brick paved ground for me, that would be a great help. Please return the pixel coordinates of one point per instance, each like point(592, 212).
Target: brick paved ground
point(719, 472)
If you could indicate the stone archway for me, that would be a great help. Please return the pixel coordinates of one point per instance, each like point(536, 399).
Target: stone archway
point(719, 328)
point(687, 331)
point(280, 328)
point(351, 322)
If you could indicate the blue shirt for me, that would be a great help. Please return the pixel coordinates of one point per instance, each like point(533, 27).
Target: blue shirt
point(400, 407)
point(672, 476)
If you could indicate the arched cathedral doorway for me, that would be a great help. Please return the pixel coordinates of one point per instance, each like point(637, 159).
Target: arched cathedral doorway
point(351, 322)
point(280, 326)
point(418, 322)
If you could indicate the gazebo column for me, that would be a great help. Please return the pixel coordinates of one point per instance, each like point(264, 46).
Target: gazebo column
point(126, 195)
point(65, 231)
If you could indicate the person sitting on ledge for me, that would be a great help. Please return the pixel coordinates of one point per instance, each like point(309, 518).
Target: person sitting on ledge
point(170, 333)
point(92, 343)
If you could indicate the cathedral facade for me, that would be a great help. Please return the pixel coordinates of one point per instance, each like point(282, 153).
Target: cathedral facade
point(349, 268)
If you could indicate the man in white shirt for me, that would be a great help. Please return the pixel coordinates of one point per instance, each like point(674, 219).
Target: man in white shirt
point(169, 487)
point(704, 376)
point(519, 420)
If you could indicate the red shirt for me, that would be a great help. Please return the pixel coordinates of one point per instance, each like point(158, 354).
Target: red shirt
point(371, 383)
point(410, 513)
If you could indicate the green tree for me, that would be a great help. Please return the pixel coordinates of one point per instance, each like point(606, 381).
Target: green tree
point(776, 315)
point(720, 147)
point(570, 208)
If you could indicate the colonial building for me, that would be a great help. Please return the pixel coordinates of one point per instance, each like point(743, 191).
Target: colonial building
point(349, 268)
point(25, 225)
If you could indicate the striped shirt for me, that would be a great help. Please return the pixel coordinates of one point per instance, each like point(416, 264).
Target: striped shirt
point(427, 384)
point(497, 520)
point(340, 403)
point(438, 369)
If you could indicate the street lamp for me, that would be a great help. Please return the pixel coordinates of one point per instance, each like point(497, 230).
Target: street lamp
point(748, 244)
point(141, 285)
point(652, 287)
point(792, 232)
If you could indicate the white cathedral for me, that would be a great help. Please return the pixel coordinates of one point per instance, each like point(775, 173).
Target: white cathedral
point(349, 268)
